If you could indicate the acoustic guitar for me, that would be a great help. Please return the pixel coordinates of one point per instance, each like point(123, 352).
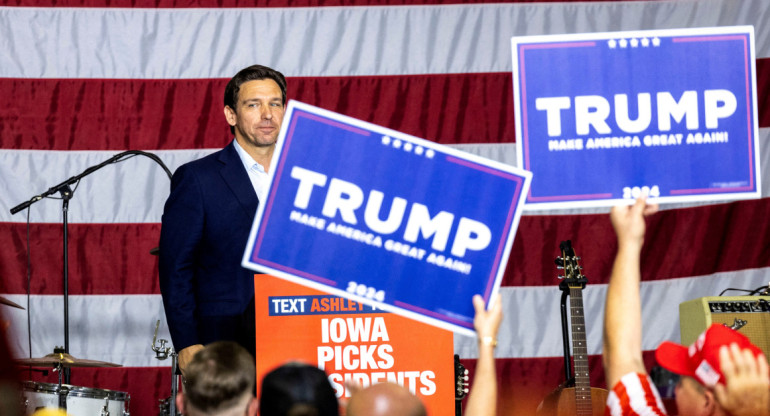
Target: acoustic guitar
point(582, 399)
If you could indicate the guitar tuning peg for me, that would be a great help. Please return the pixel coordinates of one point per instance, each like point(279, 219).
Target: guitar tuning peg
point(559, 267)
point(561, 277)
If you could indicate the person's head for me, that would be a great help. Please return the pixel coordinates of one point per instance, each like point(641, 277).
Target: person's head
point(219, 381)
point(699, 367)
point(296, 389)
point(385, 399)
point(255, 99)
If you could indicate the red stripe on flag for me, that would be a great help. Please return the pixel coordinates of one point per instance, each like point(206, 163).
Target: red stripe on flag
point(104, 259)
point(708, 239)
point(115, 259)
point(101, 114)
point(96, 114)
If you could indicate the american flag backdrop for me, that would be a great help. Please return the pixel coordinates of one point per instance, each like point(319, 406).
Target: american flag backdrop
point(83, 80)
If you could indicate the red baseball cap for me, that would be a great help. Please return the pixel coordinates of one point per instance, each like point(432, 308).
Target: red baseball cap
point(701, 359)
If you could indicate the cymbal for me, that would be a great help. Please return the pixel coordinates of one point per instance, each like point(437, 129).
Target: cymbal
point(65, 360)
point(5, 301)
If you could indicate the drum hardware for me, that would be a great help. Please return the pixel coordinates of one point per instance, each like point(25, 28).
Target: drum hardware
point(167, 406)
point(59, 358)
point(105, 409)
point(80, 400)
point(60, 361)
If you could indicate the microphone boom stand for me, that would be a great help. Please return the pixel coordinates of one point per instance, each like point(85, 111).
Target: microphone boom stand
point(66, 194)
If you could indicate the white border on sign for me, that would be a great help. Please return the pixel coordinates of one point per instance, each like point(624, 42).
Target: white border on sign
point(277, 155)
point(600, 203)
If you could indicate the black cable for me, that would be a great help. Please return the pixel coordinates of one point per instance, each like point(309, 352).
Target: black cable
point(133, 153)
point(751, 292)
point(761, 291)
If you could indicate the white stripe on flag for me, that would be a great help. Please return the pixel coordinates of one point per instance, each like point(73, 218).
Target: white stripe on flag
point(112, 328)
point(134, 191)
point(325, 41)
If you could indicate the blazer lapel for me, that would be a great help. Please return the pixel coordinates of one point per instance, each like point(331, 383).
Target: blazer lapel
point(236, 178)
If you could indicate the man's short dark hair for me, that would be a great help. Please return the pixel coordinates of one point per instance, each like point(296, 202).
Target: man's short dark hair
point(297, 389)
point(219, 376)
point(252, 73)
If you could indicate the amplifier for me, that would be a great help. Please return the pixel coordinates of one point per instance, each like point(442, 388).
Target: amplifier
point(750, 315)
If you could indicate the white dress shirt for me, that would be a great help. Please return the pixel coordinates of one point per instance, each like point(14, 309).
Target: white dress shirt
point(257, 173)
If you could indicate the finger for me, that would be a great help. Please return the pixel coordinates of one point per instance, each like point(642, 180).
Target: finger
point(763, 367)
point(749, 362)
point(650, 209)
point(639, 205)
point(478, 304)
point(353, 386)
point(743, 360)
point(726, 362)
point(620, 211)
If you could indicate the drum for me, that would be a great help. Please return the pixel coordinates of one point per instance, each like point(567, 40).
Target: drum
point(81, 401)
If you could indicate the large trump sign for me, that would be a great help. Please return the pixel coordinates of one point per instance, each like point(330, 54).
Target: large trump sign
point(384, 218)
point(605, 117)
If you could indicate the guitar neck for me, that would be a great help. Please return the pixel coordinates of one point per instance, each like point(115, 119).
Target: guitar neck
point(580, 353)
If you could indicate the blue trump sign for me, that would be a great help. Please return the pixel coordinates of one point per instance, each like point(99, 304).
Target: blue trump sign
point(605, 117)
point(387, 219)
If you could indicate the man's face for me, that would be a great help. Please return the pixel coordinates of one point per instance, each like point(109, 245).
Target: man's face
point(690, 397)
point(258, 114)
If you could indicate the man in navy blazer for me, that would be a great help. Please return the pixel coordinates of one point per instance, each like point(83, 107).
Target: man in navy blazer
point(207, 295)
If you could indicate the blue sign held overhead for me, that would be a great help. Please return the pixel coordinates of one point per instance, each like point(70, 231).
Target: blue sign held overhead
point(383, 218)
point(604, 117)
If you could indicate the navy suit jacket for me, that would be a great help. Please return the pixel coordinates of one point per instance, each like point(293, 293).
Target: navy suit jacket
point(207, 295)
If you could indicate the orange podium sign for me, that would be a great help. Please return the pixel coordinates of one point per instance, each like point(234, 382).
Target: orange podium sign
point(352, 341)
